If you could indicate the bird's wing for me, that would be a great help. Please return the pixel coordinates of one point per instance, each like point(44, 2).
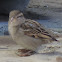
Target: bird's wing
point(34, 29)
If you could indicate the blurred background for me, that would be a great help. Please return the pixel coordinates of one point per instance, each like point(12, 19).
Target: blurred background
point(46, 12)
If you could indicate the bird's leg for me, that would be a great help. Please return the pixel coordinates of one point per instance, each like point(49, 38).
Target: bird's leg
point(25, 52)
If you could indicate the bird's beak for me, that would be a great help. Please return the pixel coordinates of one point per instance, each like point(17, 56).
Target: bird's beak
point(11, 19)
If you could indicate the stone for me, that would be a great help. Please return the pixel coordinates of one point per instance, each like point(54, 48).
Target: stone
point(59, 59)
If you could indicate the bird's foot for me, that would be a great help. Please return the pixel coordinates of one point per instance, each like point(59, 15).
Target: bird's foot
point(25, 52)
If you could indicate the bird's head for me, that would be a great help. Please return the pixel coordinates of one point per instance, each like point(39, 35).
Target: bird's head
point(13, 13)
point(16, 17)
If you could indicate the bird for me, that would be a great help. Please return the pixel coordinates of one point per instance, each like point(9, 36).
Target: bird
point(28, 33)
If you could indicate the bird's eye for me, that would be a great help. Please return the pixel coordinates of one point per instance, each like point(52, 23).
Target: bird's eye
point(20, 16)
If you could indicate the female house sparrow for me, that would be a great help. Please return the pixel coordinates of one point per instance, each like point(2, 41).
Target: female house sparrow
point(27, 33)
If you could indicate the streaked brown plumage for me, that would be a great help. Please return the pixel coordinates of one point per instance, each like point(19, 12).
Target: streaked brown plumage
point(28, 33)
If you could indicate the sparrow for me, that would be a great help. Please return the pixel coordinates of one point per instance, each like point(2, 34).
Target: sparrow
point(28, 33)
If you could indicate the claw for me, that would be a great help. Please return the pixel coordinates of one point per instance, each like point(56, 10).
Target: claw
point(25, 52)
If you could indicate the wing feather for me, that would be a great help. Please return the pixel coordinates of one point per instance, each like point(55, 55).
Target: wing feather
point(34, 29)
